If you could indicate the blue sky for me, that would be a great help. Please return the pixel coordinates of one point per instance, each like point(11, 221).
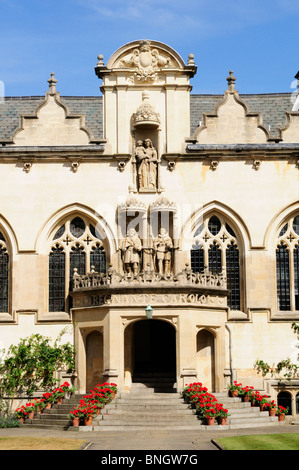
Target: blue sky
point(258, 40)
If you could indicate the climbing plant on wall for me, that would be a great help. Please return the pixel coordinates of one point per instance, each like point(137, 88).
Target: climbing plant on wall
point(290, 369)
point(31, 365)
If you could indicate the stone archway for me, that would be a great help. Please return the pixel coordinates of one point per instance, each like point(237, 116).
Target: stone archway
point(153, 349)
point(285, 399)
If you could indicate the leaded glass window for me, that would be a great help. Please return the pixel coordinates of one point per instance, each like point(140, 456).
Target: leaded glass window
point(76, 244)
point(287, 265)
point(215, 246)
point(4, 275)
point(233, 275)
point(57, 279)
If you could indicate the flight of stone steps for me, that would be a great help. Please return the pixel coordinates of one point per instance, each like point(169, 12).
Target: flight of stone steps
point(152, 406)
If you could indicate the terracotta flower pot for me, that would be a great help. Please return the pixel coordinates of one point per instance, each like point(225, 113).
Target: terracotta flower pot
point(222, 421)
point(88, 421)
point(31, 415)
point(234, 393)
point(210, 421)
point(262, 407)
point(281, 417)
point(245, 398)
point(272, 412)
point(76, 421)
point(48, 406)
point(21, 420)
point(59, 401)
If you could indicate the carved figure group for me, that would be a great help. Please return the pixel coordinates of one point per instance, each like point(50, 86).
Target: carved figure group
point(162, 252)
point(147, 159)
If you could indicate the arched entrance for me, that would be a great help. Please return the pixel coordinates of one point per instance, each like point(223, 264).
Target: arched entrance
point(153, 349)
point(285, 399)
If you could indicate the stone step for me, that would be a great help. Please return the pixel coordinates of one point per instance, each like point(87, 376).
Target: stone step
point(252, 419)
point(146, 409)
point(146, 416)
point(42, 419)
point(131, 428)
point(49, 427)
point(158, 411)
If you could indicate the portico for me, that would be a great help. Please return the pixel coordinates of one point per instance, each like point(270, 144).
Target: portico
point(171, 343)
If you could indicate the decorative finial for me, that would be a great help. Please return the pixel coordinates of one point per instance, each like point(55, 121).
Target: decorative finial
point(52, 84)
point(100, 60)
point(231, 81)
point(191, 59)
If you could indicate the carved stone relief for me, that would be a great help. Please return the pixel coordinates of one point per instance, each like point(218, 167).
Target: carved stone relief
point(147, 61)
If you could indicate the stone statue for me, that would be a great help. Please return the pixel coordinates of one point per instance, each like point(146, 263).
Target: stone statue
point(147, 160)
point(131, 247)
point(163, 249)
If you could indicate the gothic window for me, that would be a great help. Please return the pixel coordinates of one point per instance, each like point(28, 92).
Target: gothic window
point(215, 246)
point(287, 266)
point(4, 274)
point(76, 244)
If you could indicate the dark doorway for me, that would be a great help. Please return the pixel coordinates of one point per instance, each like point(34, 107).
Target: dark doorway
point(154, 348)
point(285, 399)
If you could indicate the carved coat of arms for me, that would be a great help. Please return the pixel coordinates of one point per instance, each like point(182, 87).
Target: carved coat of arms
point(146, 61)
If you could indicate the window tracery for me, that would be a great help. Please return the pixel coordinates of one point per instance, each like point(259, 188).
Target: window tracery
point(287, 265)
point(75, 244)
point(215, 246)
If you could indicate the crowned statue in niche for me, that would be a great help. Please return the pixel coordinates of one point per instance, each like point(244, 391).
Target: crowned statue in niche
point(147, 161)
point(163, 251)
point(131, 248)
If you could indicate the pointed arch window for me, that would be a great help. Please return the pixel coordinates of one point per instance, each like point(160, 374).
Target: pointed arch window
point(4, 274)
point(287, 266)
point(215, 246)
point(76, 244)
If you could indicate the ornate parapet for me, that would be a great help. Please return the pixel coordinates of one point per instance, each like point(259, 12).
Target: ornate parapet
point(149, 287)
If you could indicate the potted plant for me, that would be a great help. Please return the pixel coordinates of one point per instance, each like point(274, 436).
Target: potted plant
point(271, 407)
point(21, 413)
point(245, 393)
point(234, 389)
point(281, 412)
point(210, 415)
point(40, 405)
point(49, 399)
point(30, 408)
point(75, 415)
point(222, 414)
point(89, 413)
point(261, 400)
point(58, 395)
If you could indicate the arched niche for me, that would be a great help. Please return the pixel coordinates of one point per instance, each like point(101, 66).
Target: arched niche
point(94, 359)
point(205, 358)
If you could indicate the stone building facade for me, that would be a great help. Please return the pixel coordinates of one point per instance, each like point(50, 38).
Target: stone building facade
point(151, 201)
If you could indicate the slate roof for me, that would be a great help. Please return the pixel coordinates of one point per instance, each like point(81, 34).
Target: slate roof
point(272, 106)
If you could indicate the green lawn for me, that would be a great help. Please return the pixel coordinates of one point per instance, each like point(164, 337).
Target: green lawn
point(284, 441)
